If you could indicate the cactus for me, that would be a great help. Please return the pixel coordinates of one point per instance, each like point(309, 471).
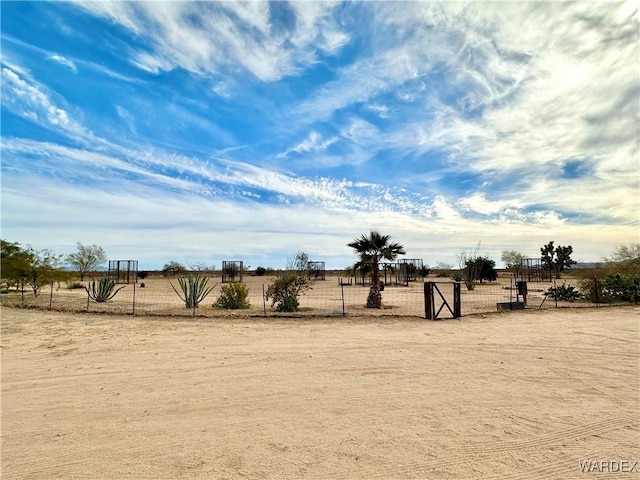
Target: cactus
point(564, 292)
point(193, 290)
point(104, 290)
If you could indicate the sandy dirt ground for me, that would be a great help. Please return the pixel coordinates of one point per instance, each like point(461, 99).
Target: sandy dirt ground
point(503, 396)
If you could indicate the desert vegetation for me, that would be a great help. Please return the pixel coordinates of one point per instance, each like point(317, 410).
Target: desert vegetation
point(371, 249)
point(102, 291)
point(27, 273)
point(193, 289)
point(86, 259)
point(233, 296)
point(286, 289)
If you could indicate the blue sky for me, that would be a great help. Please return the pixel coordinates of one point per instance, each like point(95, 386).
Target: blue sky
point(210, 131)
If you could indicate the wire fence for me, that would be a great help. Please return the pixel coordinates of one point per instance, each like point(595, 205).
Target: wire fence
point(334, 296)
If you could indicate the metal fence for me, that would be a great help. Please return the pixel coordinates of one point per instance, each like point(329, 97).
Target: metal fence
point(334, 296)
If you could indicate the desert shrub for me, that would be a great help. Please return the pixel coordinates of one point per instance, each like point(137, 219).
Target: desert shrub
point(142, 275)
point(285, 290)
point(260, 271)
point(564, 292)
point(615, 287)
point(233, 296)
point(193, 290)
point(102, 291)
point(74, 285)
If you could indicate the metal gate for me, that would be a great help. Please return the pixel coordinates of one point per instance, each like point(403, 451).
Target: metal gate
point(442, 300)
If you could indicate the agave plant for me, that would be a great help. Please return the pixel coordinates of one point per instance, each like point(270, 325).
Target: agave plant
point(193, 288)
point(102, 291)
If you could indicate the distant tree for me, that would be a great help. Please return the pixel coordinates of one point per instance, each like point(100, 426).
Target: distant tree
point(443, 266)
point(44, 269)
point(202, 267)
point(425, 270)
point(173, 268)
point(371, 249)
point(625, 253)
point(15, 262)
point(469, 267)
point(556, 259)
point(512, 260)
point(299, 263)
point(86, 259)
point(35, 268)
point(484, 267)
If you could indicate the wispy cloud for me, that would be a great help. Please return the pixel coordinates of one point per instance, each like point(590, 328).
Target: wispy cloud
point(313, 143)
point(30, 100)
point(268, 40)
point(64, 61)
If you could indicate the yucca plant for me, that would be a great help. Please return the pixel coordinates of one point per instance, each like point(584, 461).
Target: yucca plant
point(102, 291)
point(193, 289)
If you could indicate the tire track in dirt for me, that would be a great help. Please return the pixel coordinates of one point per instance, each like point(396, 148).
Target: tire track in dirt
point(558, 436)
point(465, 457)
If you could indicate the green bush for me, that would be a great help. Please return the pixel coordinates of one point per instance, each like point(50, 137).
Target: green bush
point(260, 271)
point(613, 288)
point(564, 292)
point(233, 296)
point(74, 285)
point(285, 290)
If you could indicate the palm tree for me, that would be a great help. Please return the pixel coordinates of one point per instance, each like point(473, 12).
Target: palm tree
point(372, 249)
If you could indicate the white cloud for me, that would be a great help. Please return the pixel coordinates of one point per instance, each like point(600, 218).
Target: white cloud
point(64, 61)
point(26, 98)
point(158, 226)
point(213, 37)
point(479, 203)
point(381, 110)
point(314, 143)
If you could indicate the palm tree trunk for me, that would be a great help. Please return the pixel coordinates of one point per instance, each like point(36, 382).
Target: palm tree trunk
point(374, 299)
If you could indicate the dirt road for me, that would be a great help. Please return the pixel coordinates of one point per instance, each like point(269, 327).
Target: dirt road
point(516, 395)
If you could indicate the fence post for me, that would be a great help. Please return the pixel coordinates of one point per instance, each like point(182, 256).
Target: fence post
point(342, 292)
point(264, 301)
point(133, 306)
point(428, 307)
point(457, 300)
point(595, 288)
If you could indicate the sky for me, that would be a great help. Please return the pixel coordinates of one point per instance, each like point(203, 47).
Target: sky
point(205, 131)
